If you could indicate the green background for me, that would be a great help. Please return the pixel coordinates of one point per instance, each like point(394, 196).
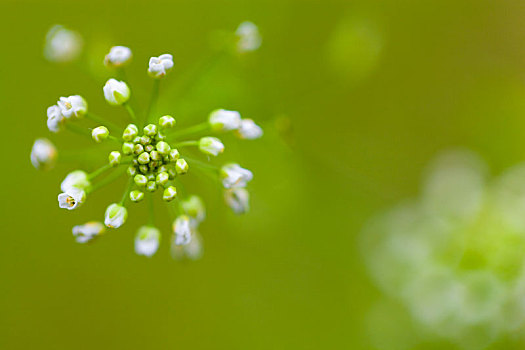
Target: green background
point(373, 91)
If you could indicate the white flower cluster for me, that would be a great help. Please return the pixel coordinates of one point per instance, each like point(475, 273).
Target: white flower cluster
point(454, 257)
point(151, 152)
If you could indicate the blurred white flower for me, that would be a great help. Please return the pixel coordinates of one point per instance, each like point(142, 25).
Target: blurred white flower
point(192, 251)
point(72, 198)
point(55, 119)
point(78, 179)
point(43, 154)
point(193, 206)
point(224, 120)
point(62, 45)
point(238, 199)
point(160, 66)
point(248, 130)
point(211, 146)
point(234, 176)
point(116, 92)
point(182, 230)
point(248, 37)
point(88, 231)
point(147, 240)
point(72, 106)
point(118, 56)
point(116, 216)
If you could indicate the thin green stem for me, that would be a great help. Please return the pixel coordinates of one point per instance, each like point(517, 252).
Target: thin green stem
point(106, 181)
point(99, 171)
point(202, 164)
point(103, 121)
point(126, 193)
point(151, 210)
point(186, 143)
point(130, 112)
point(153, 100)
point(116, 139)
point(190, 131)
point(78, 130)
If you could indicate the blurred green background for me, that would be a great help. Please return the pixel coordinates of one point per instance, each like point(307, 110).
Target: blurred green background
point(373, 91)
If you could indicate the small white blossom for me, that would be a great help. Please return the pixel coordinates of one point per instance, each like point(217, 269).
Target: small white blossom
point(238, 199)
point(116, 216)
point(62, 45)
point(234, 176)
point(211, 146)
point(116, 92)
point(118, 56)
point(55, 119)
point(72, 198)
point(43, 154)
point(224, 120)
point(249, 130)
point(72, 106)
point(160, 66)
point(88, 231)
point(192, 250)
point(99, 134)
point(147, 240)
point(248, 37)
point(75, 179)
point(182, 230)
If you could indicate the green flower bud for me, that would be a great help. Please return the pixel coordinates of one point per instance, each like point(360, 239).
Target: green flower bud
point(149, 148)
point(135, 162)
point(132, 171)
point(136, 196)
point(144, 169)
point(160, 136)
point(181, 166)
point(130, 132)
point(150, 130)
point(150, 177)
point(166, 122)
point(211, 146)
point(100, 133)
point(174, 155)
point(114, 158)
point(169, 194)
point(162, 178)
point(140, 180)
point(127, 148)
point(138, 149)
point(136, 139)
point(163, 168)
point(143, 158)
point(151, 186)
point(163, 147)
point(155, 155)
point(145, 140)
point(172, 172)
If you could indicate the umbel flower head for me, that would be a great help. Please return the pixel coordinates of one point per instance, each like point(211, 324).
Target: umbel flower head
point(153, 155)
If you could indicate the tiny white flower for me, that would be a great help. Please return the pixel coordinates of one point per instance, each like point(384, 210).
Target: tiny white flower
point(72, 198)
point(62, 45)
point(211, 146)
point(249, 130)
point(234, 176)
point(88, 231)
point(238, 199)
point(248, 37)
point(99, 134)
point(147, 240)
point(192, 250)
point(160, 66)
point(116, 216)
point(43, 154)
point(193, 206)
point(224, 120)
point(116, 92)
point(182, 230)
point(72, 106)
point(118, 56)
point(55, 119)
point(75, 179)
